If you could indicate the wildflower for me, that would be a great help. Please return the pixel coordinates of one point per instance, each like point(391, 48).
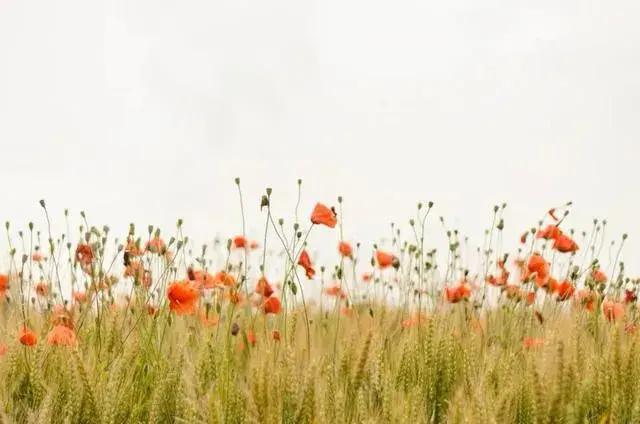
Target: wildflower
point(253, 245)
point(345, 249)
point(37, 257)
point(263, 287)
point(251, 337)
point(386, 260)
point(208, 320)
point(84, 255)
point(27, 337)
point(204, 279)
point(276, 335)
point(4, 284)
point(42, 289)
point(565, 244)
point(182, 297)
point(599, 276)
point(3, 349)
point(322, 215)
point(458, 293)
point(587, 299)
point(62, 335)
point(630, 296)
point(414, 320)
point(305, 262)
point(271, 305)
point(532, 343)
point(564, 290)
point(156, 245)
point(613, 310)
point(367, 276)
point(239, 242)
point(335, 290)
point(552, 232)
point(224, 279)
point(538, 265)
point(133, 248)
point(79, 297)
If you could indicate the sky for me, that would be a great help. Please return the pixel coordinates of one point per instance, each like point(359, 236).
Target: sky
point(145, 111)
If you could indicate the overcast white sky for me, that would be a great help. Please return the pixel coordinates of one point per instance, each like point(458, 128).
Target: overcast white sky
point(145, 111)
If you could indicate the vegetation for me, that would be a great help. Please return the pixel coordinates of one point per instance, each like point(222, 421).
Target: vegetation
point(152, 332)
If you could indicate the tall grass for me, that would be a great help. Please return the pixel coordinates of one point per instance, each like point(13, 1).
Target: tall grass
point(426, 357)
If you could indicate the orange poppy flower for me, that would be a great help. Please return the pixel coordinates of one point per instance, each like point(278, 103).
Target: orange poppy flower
point(37, 257)
point(276, 335)
point(79, 297)
point(42, 289)
point(530, 298)
point(84, 254)
point(156, 245)
point(27, 337)
point(599, 276)
point(183, 297)
point(587, 299)
point(253, 245)
point(224, 279)
point(346, 311)
point(335, 290)
point(271, 305)
point(135, 270)
point(4, 284)
point(532, 343)
point(152, 310)
point(203, 279)
point(62, 335)
point(208, 319)
point(239, 242)
point(414, 320)
point(613, 310)
point(345, 249)
point(552, 232)
point(386, 260)
point(322, 215)
point(251, 337)
point(3, 349)
point(367, 276)
point(133, 247)
point(263, 287)
point(305, 261)
point(564, 290)
point(458, 293)
point(565, 244)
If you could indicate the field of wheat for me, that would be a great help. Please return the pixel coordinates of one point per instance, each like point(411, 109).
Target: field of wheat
point(94, 330)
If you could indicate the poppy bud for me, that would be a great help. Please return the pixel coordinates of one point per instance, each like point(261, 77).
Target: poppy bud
point(237, 180)
point(396, 263)
point(264, 202)
point(235, 329)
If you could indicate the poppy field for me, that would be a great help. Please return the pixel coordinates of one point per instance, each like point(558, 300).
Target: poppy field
point(144, 327)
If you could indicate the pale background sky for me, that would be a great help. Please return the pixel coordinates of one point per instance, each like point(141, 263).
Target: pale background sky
point(145, 111)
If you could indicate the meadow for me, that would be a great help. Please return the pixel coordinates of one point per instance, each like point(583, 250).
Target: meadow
point(151, 330)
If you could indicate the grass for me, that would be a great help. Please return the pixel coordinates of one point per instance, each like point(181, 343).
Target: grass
point(170, 340)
